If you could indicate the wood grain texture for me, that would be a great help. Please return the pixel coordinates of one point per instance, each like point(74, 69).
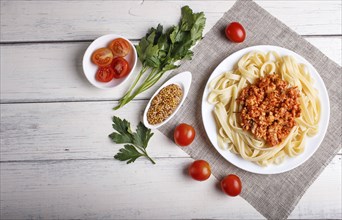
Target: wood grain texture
point(84, 20)
point(76, 130)
point(113, 190)
point(55, 73)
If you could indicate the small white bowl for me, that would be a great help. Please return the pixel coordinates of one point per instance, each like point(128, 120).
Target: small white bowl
point(90, 69)
point(184, 81)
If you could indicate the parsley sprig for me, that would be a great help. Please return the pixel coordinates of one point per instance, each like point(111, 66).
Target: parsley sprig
point(159, 51)
point(135, 142)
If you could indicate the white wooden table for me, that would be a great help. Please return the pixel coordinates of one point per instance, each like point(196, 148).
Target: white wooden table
point(56, 158)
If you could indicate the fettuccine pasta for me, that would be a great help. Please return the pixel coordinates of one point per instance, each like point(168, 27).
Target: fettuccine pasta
point(225, 90)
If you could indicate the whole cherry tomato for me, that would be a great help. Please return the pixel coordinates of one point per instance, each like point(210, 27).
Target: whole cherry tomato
point(200, 170)
point(184, 134)
point(231, 185)
point(235, 32)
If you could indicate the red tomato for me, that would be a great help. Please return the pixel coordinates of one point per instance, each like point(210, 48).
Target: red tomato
point(231, 185)
point(235, 32)
point(184, 134)
point(120, 67)
point(102, 57)
point(120, 47)
point(200, 170)
point(104, 74)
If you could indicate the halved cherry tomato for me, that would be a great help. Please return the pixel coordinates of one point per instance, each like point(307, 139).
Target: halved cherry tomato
point(102, 57)
point(231, 185)
point(200, 170)
point(120, 67)
point(235, 32)
point(104, 74)
point(120, 47)
point(184, 134)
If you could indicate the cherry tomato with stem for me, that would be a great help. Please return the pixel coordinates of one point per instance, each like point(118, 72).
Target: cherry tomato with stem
point(184, 134)
point(231, 185)
point(200, 170)
point(235, 32)
point(102, 57)
point(120, 47)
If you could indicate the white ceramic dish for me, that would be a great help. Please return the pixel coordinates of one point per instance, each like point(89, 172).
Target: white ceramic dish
point(312, 143)
point(184, 81)
point(89, 68)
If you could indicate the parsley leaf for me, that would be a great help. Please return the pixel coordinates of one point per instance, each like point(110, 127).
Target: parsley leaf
point(129, 152)
point(142, 136)
point(123, 134)
point(135, 142)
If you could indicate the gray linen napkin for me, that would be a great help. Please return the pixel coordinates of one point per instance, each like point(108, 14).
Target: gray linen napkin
point(274, 196)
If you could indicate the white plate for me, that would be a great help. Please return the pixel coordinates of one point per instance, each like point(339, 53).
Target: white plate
point(90, 69)
point(184, 81)
point(312, 143)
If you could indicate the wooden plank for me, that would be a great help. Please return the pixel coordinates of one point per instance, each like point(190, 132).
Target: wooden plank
point(55, 72)
point(84, 20)
point(44, 131)
point(109, 189)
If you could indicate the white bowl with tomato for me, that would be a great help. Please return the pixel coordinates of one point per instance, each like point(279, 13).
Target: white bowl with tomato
point(109, 61)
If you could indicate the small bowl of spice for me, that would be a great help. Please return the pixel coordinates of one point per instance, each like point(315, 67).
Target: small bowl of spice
point(167, 100)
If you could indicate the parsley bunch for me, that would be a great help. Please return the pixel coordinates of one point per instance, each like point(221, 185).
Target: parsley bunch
point(158, 51)
point(135, 142)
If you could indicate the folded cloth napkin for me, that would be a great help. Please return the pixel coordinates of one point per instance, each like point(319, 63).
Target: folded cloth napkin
point(274, 196)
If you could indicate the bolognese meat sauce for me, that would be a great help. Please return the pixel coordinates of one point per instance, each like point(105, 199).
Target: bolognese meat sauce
point(269, 109)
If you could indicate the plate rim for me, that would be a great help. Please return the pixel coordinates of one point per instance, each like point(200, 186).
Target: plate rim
point(324, 94)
